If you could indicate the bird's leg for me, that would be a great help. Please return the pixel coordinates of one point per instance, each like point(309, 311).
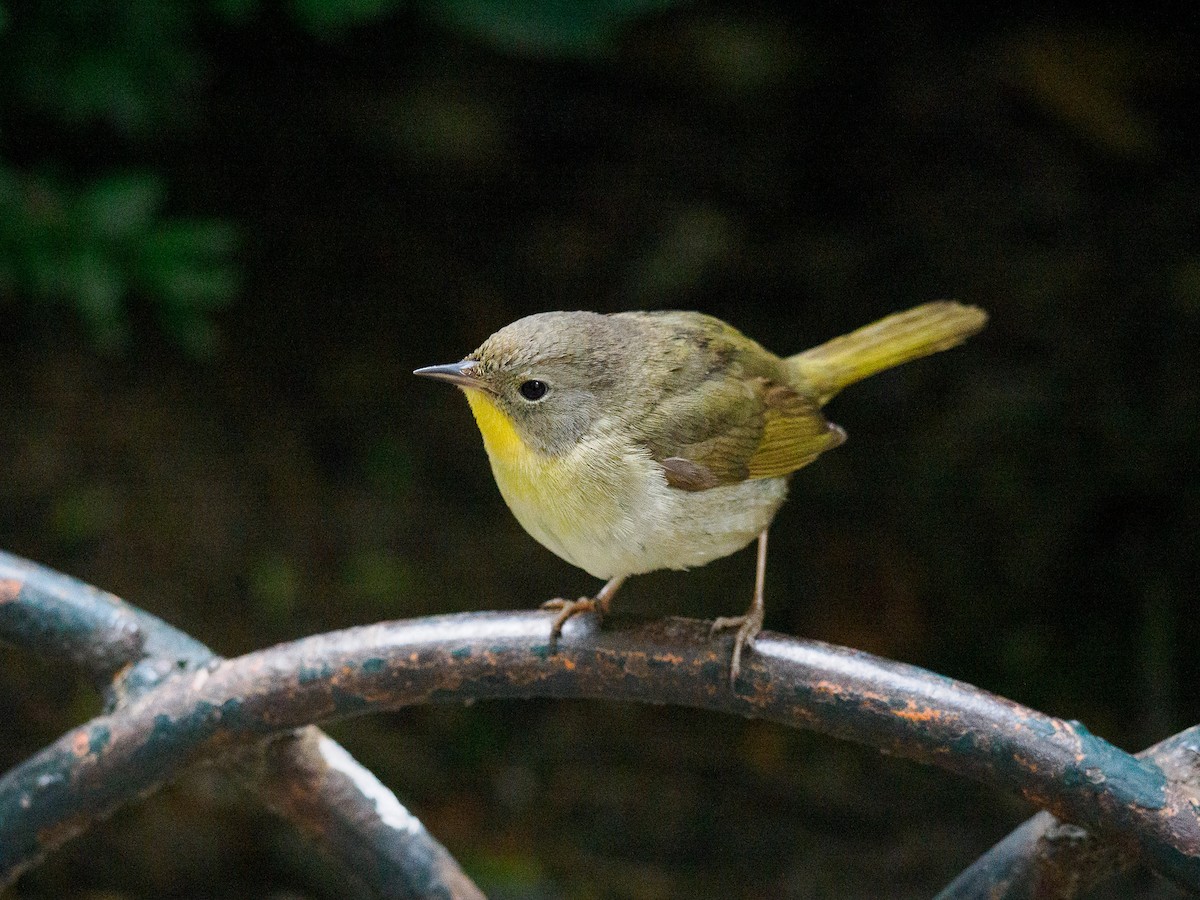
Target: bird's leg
point(599, 604)
point(749, 625)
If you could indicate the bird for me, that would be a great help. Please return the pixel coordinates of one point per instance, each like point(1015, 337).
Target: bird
point(635, 441)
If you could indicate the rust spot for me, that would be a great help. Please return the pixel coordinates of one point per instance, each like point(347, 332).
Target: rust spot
point(914, 713)
point(845, 692)
point(1037, 797)
point(81, 744)
point(568, 664)
point(9, 588)
point(1026, 763)
point(830, 687)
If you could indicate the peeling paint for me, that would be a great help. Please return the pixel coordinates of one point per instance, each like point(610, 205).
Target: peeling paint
point(898, 708)
point(309, 674)
point(912, 712)
point(391, 812)
point(99, 739)
point(1132, 781)
point(46, 800)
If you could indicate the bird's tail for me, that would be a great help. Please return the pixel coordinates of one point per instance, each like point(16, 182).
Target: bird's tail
point(892, 340)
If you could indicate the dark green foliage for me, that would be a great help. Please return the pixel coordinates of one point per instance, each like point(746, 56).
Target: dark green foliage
point(92, 236)
point(95, 246)
point(131, 65)
point(96, 239)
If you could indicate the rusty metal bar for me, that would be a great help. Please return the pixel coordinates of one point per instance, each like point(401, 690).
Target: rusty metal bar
point(1047, 858)
point(901, 709)
point(305, 777)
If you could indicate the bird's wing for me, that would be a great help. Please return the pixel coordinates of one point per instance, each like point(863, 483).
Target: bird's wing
point(733, 429)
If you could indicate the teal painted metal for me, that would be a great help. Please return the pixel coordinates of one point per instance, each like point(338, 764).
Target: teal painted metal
point(1045, 857)
point(901, 709)
point(57, 616)
point(305, 776)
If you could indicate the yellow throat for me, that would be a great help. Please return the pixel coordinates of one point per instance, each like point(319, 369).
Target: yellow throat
point(504, 446)
point(536, 487)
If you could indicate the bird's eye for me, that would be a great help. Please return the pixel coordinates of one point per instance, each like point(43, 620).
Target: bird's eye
point(533, 390)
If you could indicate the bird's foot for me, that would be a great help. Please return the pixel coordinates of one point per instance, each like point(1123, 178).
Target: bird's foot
point(599, 605)
point(569, 608)
point(748, 627)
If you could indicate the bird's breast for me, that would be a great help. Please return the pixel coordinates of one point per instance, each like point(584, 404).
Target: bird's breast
point(606, 507)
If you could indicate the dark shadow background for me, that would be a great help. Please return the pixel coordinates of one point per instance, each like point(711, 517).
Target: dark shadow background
point(252, 460)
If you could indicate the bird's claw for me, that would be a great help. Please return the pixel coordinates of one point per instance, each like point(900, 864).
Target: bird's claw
point(567, 609)
point(748, 627)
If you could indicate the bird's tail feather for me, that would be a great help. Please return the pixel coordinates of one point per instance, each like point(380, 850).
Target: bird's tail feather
point(895, 339)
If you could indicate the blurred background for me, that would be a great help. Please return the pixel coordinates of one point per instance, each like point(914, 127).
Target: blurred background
point(229, 229)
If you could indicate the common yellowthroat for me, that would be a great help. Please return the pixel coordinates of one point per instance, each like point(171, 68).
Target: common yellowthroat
point(638, 441)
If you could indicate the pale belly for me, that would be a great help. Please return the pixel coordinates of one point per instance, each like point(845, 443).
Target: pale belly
point(612, 513)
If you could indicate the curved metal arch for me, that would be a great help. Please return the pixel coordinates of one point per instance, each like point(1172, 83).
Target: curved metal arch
point(303, 776)
point(898, 708)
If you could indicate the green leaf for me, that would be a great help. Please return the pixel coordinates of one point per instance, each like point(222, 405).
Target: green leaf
point(89, 247)
point(185, 266)
point(180, 239)
point(121, 206)
point(130, 64)
point(97, 287)
point(196, 288)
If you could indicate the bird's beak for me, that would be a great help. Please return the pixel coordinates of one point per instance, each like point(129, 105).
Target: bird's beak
point(464, 374)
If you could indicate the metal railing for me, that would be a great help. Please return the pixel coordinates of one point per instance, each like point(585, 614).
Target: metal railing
point(171, 702)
